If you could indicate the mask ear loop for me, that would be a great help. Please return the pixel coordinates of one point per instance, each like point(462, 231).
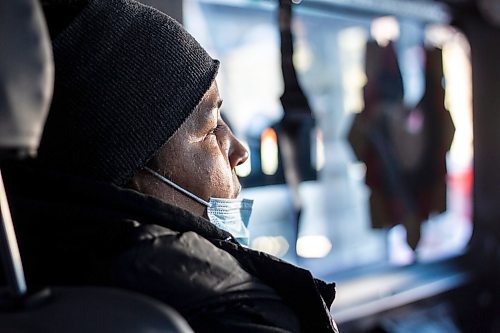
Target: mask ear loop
point(178, 188)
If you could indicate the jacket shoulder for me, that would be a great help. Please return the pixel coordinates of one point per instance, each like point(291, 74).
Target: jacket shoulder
point(203, 282)
point(179, 266)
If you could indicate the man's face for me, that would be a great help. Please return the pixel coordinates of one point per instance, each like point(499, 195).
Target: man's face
point(200, 157)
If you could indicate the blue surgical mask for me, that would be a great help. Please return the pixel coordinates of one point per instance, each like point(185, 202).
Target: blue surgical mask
point(231, 215)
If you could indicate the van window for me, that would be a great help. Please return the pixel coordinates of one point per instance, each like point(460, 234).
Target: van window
point(338, 229)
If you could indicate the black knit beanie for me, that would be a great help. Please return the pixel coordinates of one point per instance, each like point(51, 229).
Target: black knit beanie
point(127, 77)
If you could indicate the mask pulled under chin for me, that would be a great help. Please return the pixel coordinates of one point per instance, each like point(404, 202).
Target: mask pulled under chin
point(231, 215)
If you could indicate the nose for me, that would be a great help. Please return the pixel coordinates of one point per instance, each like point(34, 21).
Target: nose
point(238, 154)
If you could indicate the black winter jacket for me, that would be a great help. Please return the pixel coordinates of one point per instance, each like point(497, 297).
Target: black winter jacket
point(73, 231)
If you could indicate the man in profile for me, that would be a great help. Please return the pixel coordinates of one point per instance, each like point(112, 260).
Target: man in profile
point(135, 183)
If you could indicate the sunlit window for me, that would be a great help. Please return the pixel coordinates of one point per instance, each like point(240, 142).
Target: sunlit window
point(313, 246)
point(385, 29)
point(330, 58)
point(318, 154)
point(352, 43)
point(275, 245)
point(269, 151)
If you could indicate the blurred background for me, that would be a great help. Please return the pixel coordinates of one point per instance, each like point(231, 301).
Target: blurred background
point(378, 187)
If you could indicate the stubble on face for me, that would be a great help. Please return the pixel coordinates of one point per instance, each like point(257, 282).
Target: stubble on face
point(196, 158)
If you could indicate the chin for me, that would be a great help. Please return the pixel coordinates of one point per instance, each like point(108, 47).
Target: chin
point(236, 187)
point(237, 190)
point(233, 194)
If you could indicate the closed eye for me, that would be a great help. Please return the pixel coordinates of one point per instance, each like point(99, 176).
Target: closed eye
point(216, 129)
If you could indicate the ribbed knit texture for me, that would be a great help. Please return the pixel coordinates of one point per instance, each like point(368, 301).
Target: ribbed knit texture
point(127, 77)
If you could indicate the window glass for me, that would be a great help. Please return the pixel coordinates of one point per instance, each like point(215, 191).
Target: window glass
point(336, 228)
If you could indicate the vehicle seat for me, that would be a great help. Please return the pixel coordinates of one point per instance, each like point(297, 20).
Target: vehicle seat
point(26, 81)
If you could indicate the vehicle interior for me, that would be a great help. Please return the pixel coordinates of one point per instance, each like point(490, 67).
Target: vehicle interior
point(26, 86)
point(372, 130)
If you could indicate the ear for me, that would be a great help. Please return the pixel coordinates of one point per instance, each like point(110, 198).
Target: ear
point(142, 182)
point(137, 182)
point(145, 183)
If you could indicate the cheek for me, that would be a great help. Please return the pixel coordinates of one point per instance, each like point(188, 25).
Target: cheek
point(202, 169)
point(216, 174)
point(196, 171)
